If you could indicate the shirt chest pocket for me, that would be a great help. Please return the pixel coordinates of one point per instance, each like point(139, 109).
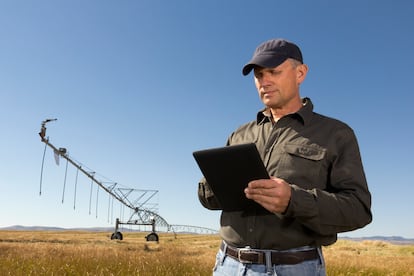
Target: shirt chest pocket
point(302, 164)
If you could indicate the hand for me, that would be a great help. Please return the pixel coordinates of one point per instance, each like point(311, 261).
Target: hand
point(273, 194)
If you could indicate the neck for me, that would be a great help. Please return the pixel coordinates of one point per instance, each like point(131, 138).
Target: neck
point(279, 112)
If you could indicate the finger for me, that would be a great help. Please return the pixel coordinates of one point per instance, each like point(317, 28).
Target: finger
point(260, 184)
point(257, 194)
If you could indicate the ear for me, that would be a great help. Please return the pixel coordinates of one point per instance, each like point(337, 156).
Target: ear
point(301, 71)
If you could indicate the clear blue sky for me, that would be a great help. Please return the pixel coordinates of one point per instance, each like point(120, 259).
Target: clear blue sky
point(137, 86)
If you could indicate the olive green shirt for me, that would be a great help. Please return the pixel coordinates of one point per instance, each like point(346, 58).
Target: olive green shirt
point(319, 157)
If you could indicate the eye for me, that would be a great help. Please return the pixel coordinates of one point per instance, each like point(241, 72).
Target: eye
point(258, 74)
point(275, 72)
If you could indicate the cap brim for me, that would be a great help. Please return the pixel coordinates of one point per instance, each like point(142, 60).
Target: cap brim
point(266, 61)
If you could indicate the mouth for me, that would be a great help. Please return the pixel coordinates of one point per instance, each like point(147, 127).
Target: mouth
point(267, 93)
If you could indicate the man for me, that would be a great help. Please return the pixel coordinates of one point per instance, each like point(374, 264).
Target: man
point(317, 187)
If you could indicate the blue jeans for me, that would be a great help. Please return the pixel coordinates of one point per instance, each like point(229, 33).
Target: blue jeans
point(228, 266)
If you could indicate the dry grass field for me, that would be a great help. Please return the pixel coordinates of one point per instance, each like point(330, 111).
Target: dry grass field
point(88, 253)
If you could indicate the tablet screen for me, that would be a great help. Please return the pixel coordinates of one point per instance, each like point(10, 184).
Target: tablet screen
point(228, 170)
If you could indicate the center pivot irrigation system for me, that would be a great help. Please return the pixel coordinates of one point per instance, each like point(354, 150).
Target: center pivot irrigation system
point(138, 200)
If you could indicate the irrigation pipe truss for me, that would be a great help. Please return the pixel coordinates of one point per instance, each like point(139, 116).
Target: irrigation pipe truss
point(143, 212)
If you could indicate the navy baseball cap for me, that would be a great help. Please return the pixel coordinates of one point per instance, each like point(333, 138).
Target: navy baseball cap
point(272, 53)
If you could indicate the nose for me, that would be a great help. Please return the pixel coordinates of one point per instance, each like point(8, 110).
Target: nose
point(264, 80)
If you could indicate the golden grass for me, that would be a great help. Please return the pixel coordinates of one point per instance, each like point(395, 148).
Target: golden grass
point(88, 253)
point(369, 258)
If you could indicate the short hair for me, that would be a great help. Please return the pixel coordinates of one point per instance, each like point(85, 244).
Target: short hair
point(295, 63)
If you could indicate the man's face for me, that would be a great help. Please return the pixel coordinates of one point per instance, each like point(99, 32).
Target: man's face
point(279, 86)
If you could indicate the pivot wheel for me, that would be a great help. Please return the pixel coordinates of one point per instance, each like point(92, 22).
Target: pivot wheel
point(117, 236)
point(152, 237)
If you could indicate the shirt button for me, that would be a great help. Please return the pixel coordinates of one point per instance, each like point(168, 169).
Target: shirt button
point(251, 230)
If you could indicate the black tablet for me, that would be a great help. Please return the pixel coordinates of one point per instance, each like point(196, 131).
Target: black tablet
point(228, 170)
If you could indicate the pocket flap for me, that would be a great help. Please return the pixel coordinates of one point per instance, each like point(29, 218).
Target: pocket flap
point(306, 151)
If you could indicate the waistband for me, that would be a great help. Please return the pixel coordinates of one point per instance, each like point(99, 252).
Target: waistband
point(253, 256)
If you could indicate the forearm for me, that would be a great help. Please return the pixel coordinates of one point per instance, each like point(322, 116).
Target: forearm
point(330, 213)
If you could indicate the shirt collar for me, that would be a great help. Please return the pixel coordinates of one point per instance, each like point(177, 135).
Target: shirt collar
point(304, 114)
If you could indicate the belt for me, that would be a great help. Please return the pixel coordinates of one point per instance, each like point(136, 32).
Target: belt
point(251, 256)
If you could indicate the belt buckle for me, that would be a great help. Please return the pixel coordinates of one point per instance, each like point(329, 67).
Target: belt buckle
point(244, 250)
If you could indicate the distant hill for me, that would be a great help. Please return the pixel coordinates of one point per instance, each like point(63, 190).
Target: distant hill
point(50, 228)
point(390, 239)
